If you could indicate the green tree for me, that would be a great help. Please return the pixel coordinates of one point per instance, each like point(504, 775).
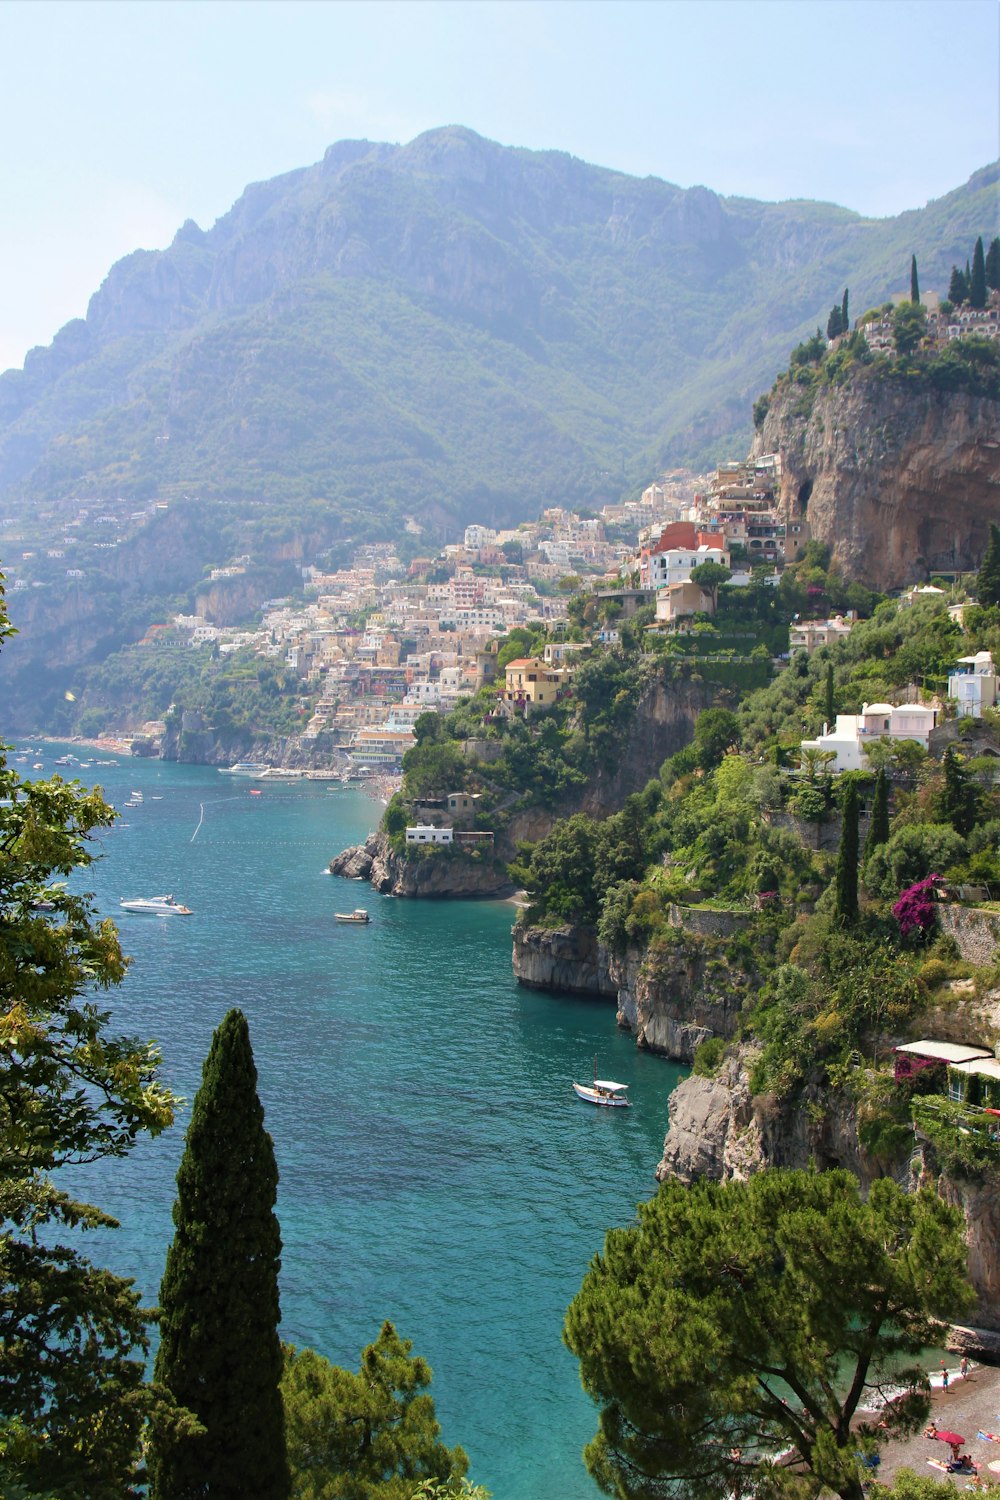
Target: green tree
point(829, 702)
point(960, 797)
point(716, 731)
point(909, 324)
point(219, 1353)
point(988, 581)
point(372, 1435)
point(993, 264)
point(73, 1338)
point(557, 873)
point(845, 320)
point(958, 287)
point(710, 576)
point(878, 824)
point(914, 280)
point(977, 281)
point(737, 1320)
point(835, 322)
point(846, 903)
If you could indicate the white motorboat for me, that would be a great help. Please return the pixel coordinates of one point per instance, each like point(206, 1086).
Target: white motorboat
point(135, 799)
point(357, 915)
point(603, 1091)
point(156, 906)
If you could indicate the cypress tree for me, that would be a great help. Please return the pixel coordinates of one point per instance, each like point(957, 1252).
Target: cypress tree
point(834, 326)
point(219, 1354)
point(846, 904)
point(988, 581)
point(960, 800)
point(977, 281)
point(844, 318)
point(878, 824)
point(914, 280)
point(958, 288)
point(993, 265)
point(829, 706)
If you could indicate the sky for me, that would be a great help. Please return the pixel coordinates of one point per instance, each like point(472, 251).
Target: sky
point(123, 118)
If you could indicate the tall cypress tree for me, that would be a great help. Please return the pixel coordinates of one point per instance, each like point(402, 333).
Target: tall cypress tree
point(219, 1352)
point(958, 288)
point(993, 265)
point(846, 904)
point(878, 824)
point(977, 281)
point(834, 326)
point(988, 581)
point(844, 318)
point(914, 280)
point(829, 705)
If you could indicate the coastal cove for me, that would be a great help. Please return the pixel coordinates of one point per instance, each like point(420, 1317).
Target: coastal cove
point(436, 1168)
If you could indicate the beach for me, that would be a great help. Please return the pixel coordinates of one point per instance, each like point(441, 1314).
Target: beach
point(969, 1405)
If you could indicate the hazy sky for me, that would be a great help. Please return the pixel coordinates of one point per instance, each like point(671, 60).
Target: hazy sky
point(122, 118)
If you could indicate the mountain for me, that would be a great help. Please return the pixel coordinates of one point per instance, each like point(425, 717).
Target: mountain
point(444, 331)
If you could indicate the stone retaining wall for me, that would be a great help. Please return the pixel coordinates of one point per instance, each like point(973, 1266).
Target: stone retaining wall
point(976, 933)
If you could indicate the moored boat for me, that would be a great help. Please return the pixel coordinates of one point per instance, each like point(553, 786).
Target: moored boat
point(245, 768)
point(357, 915)
point(603, 1091)
point(155, 906)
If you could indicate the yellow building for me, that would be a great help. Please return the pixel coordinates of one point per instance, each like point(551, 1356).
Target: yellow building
point(531, 683)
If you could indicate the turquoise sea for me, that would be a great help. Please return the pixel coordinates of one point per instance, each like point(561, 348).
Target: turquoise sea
point(436, 1167)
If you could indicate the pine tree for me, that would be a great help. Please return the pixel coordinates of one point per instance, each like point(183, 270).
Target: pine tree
point(958, 288)
point(977, 281)
point(988, 582)
point(960, 799)
point(993, 265)
point(878, 824)
point(844, 316)
point(846, 904)
point(914, 280)
point(219, 1352)
point(829, 704)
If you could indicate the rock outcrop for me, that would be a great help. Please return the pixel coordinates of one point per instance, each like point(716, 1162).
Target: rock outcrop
point(900, 482)
point(436, 872)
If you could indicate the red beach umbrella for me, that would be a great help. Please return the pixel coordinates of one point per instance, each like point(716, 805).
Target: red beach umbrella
point(953, 1439)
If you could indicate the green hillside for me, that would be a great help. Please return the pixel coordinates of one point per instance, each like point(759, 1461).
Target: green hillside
point(446, 330)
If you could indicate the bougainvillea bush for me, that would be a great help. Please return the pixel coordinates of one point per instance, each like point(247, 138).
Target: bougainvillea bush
point(915, 911)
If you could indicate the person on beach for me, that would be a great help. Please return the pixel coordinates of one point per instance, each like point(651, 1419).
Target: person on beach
point(944, 1376)
point(963, 1367)
point(931, 1429)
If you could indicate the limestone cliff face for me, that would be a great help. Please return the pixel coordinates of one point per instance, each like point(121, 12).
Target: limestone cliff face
point(435, 873)
point(671, 998)
point(190, 739)
point(664, 723)
point(899, 482)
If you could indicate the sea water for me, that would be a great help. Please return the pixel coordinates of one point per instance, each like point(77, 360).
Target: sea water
point(436, 1168)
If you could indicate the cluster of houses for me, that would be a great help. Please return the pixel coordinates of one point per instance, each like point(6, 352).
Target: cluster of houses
point(942, 327)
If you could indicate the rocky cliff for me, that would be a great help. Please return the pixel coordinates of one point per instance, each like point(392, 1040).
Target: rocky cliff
point(900, 482)
point(672, 996)
point(439, 872)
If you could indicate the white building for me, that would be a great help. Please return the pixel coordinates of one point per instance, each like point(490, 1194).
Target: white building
point(853, 733)
point(973, 685)
point(426, 833)
point(677, 563)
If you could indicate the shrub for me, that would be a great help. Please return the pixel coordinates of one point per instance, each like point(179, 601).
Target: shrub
point(915, 910)
point(708, 1056)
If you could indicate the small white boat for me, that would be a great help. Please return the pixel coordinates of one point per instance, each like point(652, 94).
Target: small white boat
point(603, 1091)
point(155, 906)
point(135, 799)
point(357, 915)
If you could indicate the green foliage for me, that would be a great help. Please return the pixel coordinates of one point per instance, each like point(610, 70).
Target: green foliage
point(219, 1353)
point(846, 906)
point(988, 581)
point(977, 282)
point(735, 1321)
point(911, 854)
point(909, 326)
point(966, 1142)
point(372, 1435)
point(73, 1338)
point(991, 265)
point(708, 1057)
point(716, 730)
point(960, 798)
point(914, 281)
point(878, 824)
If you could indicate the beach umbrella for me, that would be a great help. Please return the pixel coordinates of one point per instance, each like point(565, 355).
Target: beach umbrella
point(995, 1466)
point(953, 1439)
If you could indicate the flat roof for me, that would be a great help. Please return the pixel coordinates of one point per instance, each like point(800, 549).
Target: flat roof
point(949, 1052)
point(987, 1067)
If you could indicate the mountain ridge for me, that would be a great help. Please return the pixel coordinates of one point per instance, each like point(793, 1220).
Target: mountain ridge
point(443, 328)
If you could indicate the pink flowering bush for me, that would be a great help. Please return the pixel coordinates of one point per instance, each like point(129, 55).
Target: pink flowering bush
point(915, 911)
